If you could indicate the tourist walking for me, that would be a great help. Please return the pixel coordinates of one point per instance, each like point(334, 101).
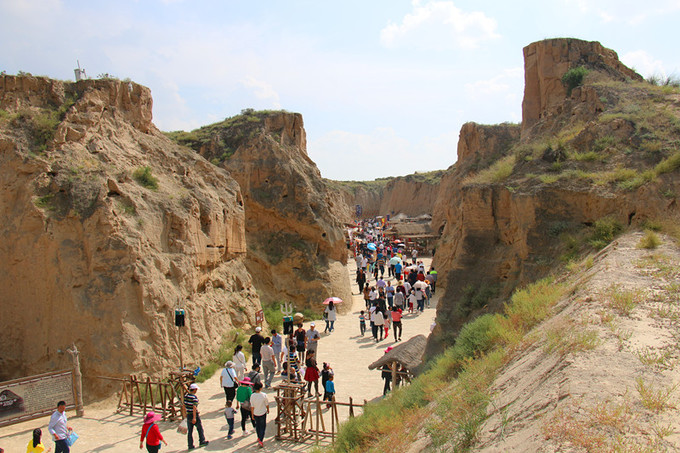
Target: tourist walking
point(229, 381)
point(268, 362)
point(240, 364)
point(332, 315)
point(362, 322)
point(59, 429)
point(229, 413)
point(243, 403)
point(312, 373)
point(313, 337)
point(379, 322)
point(300, 342)
point(35, 445)
point(396, 322)
point(193, 417)
point(152, 433)
point(255, 375)
point(259, 406)
point(361, 280)
point(256, 340)
point(277, 344)
point(387, 376)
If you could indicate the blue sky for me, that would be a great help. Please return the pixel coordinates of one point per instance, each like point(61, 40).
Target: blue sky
point(383, 85)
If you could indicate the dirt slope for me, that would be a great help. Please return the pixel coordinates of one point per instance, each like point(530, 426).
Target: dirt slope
point(602, 373)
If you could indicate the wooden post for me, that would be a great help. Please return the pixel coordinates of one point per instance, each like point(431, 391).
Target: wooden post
point(337, 419)
point(318, 425)
point(394, 374)
point(132, 395)
point(78, 378)
point(351, 408)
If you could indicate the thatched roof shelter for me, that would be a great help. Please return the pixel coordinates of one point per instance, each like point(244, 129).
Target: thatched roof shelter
point(408, 354)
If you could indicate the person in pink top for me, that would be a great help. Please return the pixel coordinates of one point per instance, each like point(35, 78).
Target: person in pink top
point(152, 433)
point(396, 322)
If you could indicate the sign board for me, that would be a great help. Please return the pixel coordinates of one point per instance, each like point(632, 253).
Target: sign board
point(358, 210)
point(35, 396)
point(259, 317)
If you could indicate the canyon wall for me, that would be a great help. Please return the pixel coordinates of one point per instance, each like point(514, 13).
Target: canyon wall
point(501, 232)
point(109, 226)
point(412, 195)
point(296, 240)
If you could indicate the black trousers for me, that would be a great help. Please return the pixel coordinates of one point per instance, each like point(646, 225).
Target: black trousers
point(396, 325)
point(60, 446)
point(190, 432)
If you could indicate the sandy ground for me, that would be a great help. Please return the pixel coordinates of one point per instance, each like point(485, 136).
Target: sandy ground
point(103, 430)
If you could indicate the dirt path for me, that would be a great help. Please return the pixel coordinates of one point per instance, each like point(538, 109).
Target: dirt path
point(102, 430)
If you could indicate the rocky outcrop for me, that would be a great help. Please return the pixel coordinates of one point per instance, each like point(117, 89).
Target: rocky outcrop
point(504, 231)
point(545, 62)
point(92, 253)
point(412, 195)
point(296, 241)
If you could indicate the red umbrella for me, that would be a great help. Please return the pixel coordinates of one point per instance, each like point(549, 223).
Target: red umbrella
point(335, 300)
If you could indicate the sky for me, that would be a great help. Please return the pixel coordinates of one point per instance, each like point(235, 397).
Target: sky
point(383, 85)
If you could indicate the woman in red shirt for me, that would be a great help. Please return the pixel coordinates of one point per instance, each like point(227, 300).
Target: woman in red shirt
point(152, 433)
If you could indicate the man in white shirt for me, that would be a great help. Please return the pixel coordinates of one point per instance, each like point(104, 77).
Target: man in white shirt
point(268, 362)
point(59, 429)
point(259, 407)
point(313, 337)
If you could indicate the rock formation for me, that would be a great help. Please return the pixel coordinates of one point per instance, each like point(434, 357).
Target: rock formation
point(512, 206)
point(545, 62)
point(109, 227)
point(296, 242)
point(412, 195)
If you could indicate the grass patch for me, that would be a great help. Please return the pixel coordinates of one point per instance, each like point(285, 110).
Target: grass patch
point(668, 165)
point(566, 337)
point(604, 231)
point(623, 301)
point(143, 176)
point(649, 241)
point(589, 156)
point(654, 399)
point(457, 382)
point(499, 171)
point(222, 354)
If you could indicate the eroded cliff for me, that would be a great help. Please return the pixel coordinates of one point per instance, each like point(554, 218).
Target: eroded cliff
point(587, 164)
point(296, 242)
point(108, 227)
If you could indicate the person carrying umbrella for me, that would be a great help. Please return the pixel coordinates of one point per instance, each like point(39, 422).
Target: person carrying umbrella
point(331, 315)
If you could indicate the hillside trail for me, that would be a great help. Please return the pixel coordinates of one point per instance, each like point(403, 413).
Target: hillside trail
point(104, 430)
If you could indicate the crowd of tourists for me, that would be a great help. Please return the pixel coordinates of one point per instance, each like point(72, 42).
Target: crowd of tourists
point(399, 285)
point(392, 282)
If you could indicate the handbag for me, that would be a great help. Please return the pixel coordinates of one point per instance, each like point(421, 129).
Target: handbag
point(72, 438)
point(183, 428)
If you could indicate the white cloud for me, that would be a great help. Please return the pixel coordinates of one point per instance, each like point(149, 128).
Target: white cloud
point(439, 25)
point(643, 63)
point(502, 83)
point(263, 90)
point(631, 12)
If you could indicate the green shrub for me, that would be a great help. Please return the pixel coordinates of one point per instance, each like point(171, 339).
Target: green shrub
point(589, 156)
point(573, 78)
point(475, 337)
point(143, 176)
point(668, 165)
point(604, 231)
point(222, 354)
point(649, 241)
point(499, 171)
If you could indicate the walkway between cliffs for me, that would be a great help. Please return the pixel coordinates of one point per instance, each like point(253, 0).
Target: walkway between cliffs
point(102, 430)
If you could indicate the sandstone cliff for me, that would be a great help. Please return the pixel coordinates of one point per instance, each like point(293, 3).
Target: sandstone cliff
point(296, 241)
point(599, 159)
point(109, 226)
point(412, 195)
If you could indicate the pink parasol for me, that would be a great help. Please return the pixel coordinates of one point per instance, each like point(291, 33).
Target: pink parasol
point(335, 300)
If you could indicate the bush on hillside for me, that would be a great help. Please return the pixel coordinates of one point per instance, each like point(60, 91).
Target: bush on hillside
point(574, 78)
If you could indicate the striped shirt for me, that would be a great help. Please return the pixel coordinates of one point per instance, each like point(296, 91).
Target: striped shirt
point(190, 401)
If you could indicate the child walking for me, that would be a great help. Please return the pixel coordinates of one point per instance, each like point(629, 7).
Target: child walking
point(229, 413)
point(362, 323)
point(329, 395)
